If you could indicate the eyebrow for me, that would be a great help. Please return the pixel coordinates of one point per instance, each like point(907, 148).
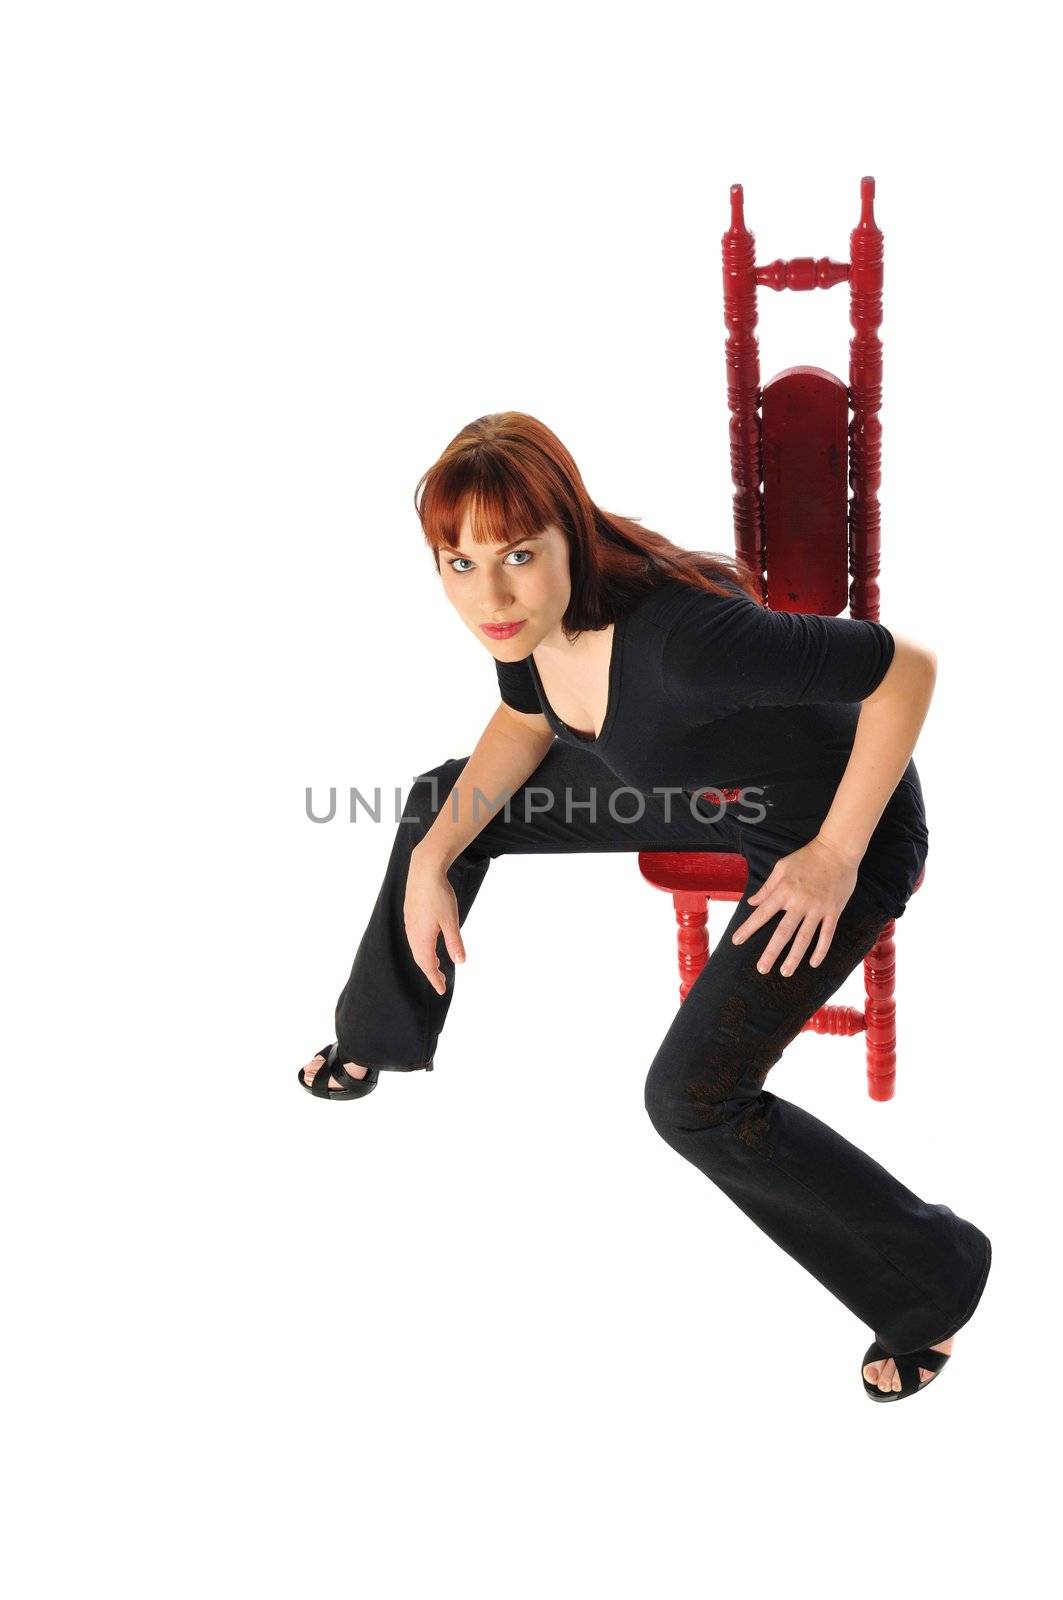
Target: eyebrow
point(513, 543)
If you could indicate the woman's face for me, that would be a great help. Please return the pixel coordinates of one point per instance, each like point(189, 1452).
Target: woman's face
point(526, 583)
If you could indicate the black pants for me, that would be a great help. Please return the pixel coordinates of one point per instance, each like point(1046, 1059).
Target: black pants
point(911, 1270)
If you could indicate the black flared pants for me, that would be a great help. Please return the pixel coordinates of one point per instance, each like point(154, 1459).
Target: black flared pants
point(913, 1271)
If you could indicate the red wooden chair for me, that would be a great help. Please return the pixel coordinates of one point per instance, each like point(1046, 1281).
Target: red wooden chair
point(813, 547)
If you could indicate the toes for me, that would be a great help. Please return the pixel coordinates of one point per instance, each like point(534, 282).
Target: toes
point(311, 1067)
point(888, 1380)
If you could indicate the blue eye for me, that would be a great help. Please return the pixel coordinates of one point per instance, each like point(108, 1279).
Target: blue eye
point(454, 567)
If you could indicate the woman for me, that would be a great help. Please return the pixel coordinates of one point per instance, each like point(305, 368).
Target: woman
point(634, 677)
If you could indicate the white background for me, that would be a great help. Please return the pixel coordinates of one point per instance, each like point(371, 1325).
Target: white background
point(484, 1331)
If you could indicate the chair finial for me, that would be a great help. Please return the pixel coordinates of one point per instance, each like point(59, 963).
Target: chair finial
point(737, 213)
point(867, 201)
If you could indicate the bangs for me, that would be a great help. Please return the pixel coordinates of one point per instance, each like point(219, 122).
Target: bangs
point(503, 505)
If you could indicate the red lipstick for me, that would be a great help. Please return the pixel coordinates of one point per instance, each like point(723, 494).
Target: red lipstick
point(501, 630)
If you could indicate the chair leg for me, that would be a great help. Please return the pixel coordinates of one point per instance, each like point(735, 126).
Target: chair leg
point(692, 936)
point(880, 978)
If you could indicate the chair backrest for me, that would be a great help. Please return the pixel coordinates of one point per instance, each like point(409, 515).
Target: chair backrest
point(794, 450)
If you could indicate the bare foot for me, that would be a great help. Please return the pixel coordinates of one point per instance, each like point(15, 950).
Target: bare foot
point(887, 1377)
point(319, 1061)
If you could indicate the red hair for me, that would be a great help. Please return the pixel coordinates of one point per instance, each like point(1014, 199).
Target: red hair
point(515, 477)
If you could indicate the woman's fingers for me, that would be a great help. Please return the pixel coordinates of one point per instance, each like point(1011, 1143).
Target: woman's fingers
point(423, 947)
point(796, 930)
point(751, 924)
point(767, 888)
point(809, 887)
point(426, 954)
point(430, 911)
point(779, 940)
point(801, 941)
point(767, 909)
point(826, 934)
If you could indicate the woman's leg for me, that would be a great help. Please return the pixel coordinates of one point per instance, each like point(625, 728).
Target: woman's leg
point(913, 1271)
point(388, 1015)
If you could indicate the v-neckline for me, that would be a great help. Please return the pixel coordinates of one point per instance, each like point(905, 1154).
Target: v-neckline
point(612, 691)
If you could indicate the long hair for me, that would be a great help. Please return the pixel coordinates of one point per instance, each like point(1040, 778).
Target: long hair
point(515, 477)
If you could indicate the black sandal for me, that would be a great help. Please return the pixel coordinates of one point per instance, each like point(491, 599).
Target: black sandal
point(908, 1368)
point(352, 1088)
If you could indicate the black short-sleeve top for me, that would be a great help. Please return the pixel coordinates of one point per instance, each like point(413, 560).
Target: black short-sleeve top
point(716, 691)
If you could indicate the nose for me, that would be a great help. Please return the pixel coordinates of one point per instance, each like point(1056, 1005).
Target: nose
point(497, 599)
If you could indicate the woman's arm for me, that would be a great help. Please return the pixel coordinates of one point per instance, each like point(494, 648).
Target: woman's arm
point(812, 886)
point(886, 732)
point(510, 748)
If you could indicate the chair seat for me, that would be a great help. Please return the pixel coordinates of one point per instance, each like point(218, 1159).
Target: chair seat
point(718, 873)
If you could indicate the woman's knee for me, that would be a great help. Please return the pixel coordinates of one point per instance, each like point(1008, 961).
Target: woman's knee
point(704, 1089)
point(705, 1122)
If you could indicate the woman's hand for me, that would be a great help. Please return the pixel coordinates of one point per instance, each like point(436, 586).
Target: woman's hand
point(812, 887)
point(431, 908)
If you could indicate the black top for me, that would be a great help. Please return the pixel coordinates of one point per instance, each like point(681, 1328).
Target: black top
point(715, 691)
